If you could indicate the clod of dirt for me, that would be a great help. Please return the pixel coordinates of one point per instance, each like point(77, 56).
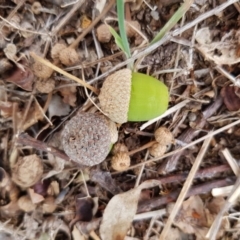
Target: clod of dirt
point(130, 28)
point(56, 49)
point(45, 85)
point(69, 56)
point(49, 205)
point(42, 71)
point(86, 139)
point(27, 171)
point(103, 33)
point(26, 204)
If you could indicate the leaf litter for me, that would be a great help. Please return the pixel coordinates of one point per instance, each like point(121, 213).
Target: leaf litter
point(46, 195)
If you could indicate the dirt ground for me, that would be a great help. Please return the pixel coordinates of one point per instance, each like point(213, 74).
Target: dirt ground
point(68, 172)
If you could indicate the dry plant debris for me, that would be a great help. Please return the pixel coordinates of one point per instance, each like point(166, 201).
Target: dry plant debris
point(69, 172)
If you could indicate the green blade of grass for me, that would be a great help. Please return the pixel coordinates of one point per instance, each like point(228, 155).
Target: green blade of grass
point(121, 24)
point(173, 20)
point(117, 38)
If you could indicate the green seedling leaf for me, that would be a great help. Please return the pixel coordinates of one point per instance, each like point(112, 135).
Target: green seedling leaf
point(173, 20)
point(121, 25)
point(117, 38)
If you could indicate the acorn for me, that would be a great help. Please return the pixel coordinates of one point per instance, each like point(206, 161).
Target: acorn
point(86, 138)
point(130, 96)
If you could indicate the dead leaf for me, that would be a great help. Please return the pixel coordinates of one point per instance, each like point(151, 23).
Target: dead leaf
point(6, 109)
point(195, 218)
point(221, 52)
point(57, 107)
point(53, 225)
point(77, 235)
point(69, 95)
point(35, 197)
point(23, 79)
point(231, 98)
point(120, 211)
point(34, 115)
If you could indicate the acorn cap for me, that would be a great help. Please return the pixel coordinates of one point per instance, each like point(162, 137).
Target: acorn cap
point(103, 33)
point(86, 139)
point(115, 95)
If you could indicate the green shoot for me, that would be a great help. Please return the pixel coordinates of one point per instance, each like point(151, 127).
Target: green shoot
point(121, 24)
point(117, 38)
point(173, 20)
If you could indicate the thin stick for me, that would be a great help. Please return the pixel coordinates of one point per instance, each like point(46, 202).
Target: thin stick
point(158, 202)
point(211, 134)
point(94, 22)
point(212, 233)
point(185, 189)
point(25, 139)
point(147, 145)
point(47, 63)
point(231, 161)
point(167, 38)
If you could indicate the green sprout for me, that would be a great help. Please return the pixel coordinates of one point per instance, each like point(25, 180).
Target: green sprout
point(122, 40)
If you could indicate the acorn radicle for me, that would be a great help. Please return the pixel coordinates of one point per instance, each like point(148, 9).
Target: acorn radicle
point(130, 96)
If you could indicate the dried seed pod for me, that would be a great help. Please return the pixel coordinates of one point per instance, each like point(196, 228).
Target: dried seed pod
point(10, 51)
point(119, 147)
point(49, 205)
point(41, 70)
point(131, 32)
point(103, 33)
point(36, 8)
point(45, 85)
point(163, 136)
point(121, 161)
point(56, 49)
point(157, 150)
point(69, 56)
point(27, 171)
point(86, 139)
point(127, 96)
point(26, 204)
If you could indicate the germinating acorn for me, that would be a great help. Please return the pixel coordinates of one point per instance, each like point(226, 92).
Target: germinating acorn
point(129, 96)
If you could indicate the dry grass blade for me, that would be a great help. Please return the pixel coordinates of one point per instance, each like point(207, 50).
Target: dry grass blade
point(78, 80)
point(185, 188)
point(231, 161)
point(212, 233)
